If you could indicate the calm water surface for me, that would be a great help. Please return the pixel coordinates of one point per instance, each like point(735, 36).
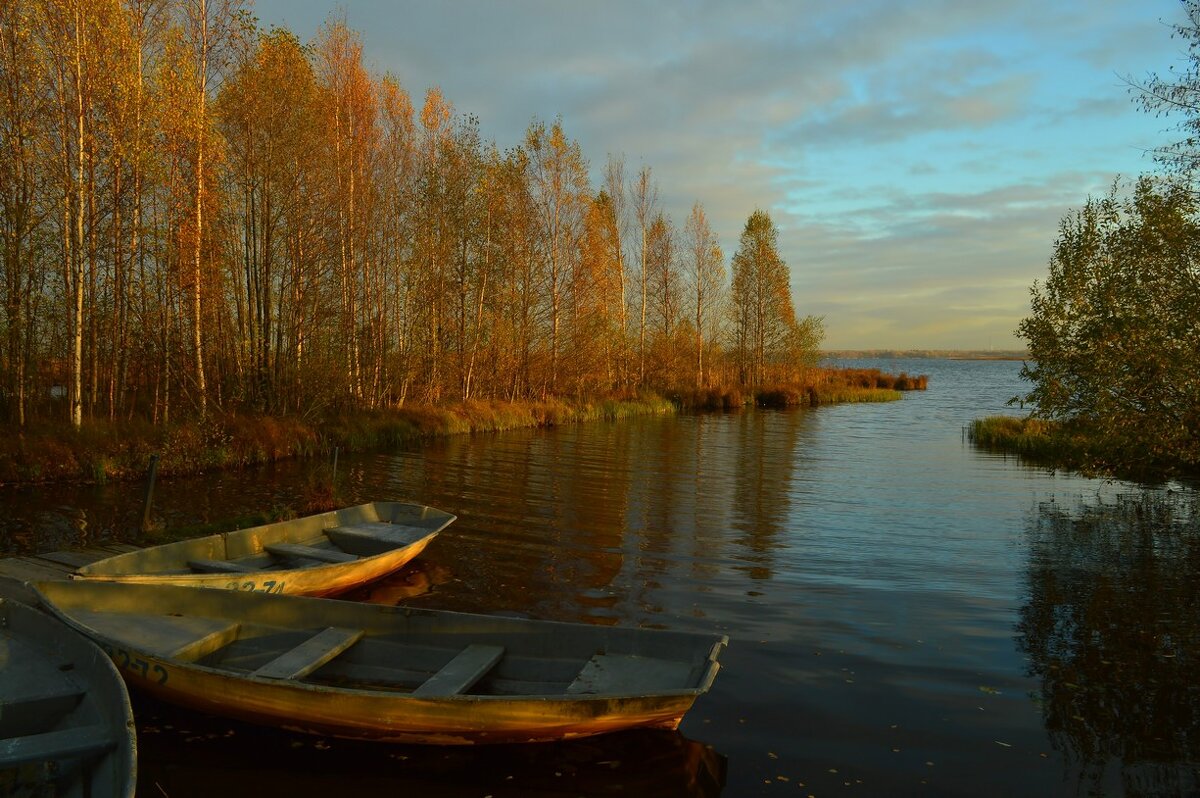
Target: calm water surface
point(906, 614)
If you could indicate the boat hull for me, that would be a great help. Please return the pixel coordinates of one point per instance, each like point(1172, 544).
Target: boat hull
point(529, 699)
point(169, 564)
point(383, 717)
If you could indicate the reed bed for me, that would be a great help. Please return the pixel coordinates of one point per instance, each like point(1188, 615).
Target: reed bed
point(815, 387)
point(1040, 441)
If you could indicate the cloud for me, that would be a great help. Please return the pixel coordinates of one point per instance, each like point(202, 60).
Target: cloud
point(916, 154)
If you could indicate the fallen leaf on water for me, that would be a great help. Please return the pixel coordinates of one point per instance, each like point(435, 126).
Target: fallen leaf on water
point(983, 688)
point(772, 754)
point(1006, 745)
point(782, 778)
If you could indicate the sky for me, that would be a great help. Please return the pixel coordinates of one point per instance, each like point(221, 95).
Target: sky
point(915, 155)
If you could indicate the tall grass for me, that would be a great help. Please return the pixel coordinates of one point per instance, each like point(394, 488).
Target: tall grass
point(1040, 441)
point(1076, 445)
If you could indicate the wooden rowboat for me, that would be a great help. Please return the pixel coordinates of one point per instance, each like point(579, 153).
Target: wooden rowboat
point(397, 674)
point(66, 728)
point(318, 555)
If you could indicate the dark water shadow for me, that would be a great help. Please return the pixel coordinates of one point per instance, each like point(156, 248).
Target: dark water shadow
point(1111, 626)
point(184, 754)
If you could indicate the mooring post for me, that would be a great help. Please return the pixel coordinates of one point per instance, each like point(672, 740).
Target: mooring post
point(149, 502)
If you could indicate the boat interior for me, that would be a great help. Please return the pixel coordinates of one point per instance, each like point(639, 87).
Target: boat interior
point(422, 652)
point(52, 728)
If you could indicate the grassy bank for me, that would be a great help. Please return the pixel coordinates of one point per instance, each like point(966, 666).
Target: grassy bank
point(103, 451)
point(1041, 441)
point(1072, 446)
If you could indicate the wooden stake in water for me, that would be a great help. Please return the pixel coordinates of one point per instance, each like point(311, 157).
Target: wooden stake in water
point(149, 502)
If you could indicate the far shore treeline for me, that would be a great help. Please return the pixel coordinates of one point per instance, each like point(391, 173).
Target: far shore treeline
point(225, 246)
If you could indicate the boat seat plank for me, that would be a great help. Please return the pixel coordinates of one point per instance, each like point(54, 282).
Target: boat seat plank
point(309, 552)
point(37, 709)
point(79, 741)
point(205, 644)
point(375, 537)
point(623, 673)
point(159, 635)
point(311, 654)
point(377, 530)
point(219, 567)
point(371, 527)
point(461, 673)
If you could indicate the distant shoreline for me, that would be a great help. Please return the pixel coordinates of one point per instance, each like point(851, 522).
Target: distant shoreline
point(942, 354)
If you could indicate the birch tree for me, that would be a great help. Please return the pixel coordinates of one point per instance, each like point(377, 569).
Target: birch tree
point(643, 196)
point(559, 188)
point(24, 142)
point(705, 270)
point(211, 28)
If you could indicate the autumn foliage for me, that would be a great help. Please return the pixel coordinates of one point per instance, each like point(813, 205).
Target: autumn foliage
point(204, 219)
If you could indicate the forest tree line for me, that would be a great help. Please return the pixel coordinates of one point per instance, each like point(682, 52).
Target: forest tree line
point(202, 215)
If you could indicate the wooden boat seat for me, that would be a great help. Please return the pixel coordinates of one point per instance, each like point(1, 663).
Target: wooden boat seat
point(205, 644)
point(461, 673)
point(37, 708)
point(165, 636)
point(219, 567)
point(627, 674)
point(311, 654)
point(80, 741)
point(309, 553)
point(374, 537)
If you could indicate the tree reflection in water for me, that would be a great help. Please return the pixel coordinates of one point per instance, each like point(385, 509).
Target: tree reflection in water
point(1112, 628)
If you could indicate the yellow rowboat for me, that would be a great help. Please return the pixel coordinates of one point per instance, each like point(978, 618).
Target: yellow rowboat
point(66, 728)
point(318, 555)
point(397, 674)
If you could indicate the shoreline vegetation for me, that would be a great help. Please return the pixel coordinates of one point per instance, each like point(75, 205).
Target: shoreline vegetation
point(1072, 446)
point(102, 451)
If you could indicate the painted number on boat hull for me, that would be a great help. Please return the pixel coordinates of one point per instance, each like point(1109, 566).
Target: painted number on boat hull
point(268, 586)
point(135, 664)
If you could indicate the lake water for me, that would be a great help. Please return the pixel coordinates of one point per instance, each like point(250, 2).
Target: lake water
point(906, 614)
